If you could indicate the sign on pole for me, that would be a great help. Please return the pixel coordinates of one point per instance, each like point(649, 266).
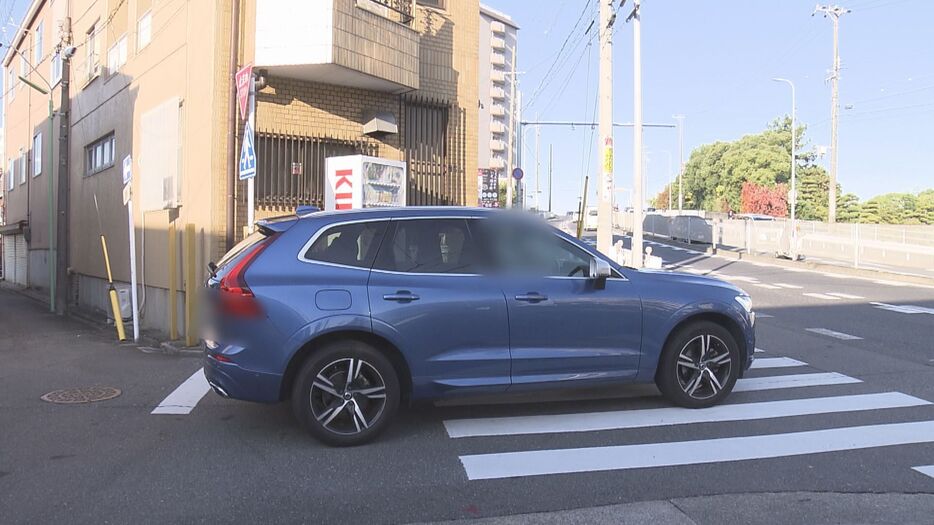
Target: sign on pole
point(247, 154)
point(518, 173)
point(244, 79)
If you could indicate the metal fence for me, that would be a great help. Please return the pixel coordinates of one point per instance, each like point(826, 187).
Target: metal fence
point(903, 246)
point(435, 151)
point(291, 169)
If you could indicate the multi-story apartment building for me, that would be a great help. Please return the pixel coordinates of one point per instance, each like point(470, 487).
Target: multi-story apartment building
point(153, 80)
point(496, 74)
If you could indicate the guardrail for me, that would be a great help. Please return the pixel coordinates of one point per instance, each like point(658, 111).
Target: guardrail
point(909, 246)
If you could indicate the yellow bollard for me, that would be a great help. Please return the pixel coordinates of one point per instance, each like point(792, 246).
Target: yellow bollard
point(114, 303)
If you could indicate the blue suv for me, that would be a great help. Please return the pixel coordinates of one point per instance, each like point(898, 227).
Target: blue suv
point(349, 313)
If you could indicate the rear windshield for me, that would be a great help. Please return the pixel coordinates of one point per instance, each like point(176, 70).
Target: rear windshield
point(241, 247)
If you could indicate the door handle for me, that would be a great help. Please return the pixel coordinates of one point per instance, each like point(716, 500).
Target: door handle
point(401, 296)
point(532, 297)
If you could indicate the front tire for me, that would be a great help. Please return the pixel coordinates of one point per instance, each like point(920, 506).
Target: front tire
point(346, 393)
point(699, 365)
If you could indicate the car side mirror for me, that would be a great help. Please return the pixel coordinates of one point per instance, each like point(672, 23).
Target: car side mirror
point(599, 271)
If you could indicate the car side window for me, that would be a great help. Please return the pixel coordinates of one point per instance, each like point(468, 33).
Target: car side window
point(524, 249)
point(429, 246)
point(352, 244)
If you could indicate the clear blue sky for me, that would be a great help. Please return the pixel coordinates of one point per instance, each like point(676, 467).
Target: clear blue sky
point(712, 61)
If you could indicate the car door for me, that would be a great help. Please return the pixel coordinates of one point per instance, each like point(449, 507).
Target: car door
point(563, 325)
point(427, 292)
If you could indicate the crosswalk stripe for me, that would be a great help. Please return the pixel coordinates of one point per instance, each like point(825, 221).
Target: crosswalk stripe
point(738, 278)
point(622, 419)
point(927, 470)
point(831, 333)
point(185, 398)
point(766, 286)
point(776, 362)
point(789, 286)
point(845, 295)
point(560, 461)
point(821, 296)
point(755, 384)
point(904, 308)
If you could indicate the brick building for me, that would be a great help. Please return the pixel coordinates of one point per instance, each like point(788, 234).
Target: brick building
point(152, 80)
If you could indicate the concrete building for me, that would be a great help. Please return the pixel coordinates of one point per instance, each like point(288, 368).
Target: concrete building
point(497, 57)
point(153, 81)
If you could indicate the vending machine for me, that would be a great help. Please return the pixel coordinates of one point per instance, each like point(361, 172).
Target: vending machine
point(358, 181)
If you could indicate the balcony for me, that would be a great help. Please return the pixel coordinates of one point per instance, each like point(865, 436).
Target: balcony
point(498, 127)
point(497, 110)
point(497, 27)
point(497, 76)
point(366, 44)
point(497, 59)
point(497, 145)
point(497, 163)
point(497, 43)
point(497, 93)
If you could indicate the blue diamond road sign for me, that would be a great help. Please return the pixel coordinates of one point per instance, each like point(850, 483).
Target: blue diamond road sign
point(247, 154)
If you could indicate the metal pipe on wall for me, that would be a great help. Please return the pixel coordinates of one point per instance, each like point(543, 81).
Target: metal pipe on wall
point(232, 123)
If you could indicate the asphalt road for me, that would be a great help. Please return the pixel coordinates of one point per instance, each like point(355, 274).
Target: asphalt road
point(861, 427)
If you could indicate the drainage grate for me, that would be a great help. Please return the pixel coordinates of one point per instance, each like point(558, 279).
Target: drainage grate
point(71, 396)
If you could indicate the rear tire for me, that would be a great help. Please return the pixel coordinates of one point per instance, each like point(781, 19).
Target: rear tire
point(339, 412)
point(699, 365)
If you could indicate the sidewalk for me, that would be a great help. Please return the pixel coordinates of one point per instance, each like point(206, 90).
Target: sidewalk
point(759, 509)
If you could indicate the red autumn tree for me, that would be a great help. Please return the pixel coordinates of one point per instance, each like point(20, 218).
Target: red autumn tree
point(768, 200)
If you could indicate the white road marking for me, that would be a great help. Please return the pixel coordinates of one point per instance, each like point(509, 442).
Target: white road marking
point(738, 278)
point(756, 384)
point(790, 286)
point(831, 333)
point(776, 362)
point(766, 286)
point(845, 295)
point(821, 296)
point(649, 455)
point(656, 417)
point(764, 316)
point(927, 470)
point(759, 350)
point(891, 283)
point(904, 308)
point(795, 270)
point(184, 398)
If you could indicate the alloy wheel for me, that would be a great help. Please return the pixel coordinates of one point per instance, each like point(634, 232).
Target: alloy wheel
point(348, 396)
point(704, 366)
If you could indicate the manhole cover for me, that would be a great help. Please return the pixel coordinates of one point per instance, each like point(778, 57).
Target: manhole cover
point(71, 396)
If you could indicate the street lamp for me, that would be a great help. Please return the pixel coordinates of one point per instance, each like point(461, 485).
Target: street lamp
point(53, 257)
point(794, 192)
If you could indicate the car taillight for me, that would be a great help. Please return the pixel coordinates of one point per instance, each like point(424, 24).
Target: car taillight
point(236, 298)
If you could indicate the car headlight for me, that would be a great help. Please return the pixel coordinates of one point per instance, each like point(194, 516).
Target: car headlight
point(745, 301)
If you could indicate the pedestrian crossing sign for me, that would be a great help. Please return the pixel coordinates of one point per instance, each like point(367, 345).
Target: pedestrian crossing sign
point(247, 154)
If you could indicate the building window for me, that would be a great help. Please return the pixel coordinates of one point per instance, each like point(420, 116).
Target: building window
point(37, 50)
point(22, 67)
point(144, 30)
point(37, 154)
point(10, 171)
point(116, 57)
point(93, 53)
point(437, 4)
point(99, 155)
point(22, 166)
point(56, 66)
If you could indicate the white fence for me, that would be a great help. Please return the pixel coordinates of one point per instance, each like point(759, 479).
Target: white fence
point(908, 246)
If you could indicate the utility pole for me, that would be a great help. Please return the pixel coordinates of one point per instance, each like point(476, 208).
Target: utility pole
point(834, 12)
point(680, 119)
point(64, 117)
point(638, 196)
point(538, 165)
point(551, 165)
point(605, 147)
point(794, 191)
point(510, 144)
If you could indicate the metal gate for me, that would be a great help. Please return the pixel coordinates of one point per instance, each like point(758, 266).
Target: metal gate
point(435, 151)
point(15, 259)
point(290, 168)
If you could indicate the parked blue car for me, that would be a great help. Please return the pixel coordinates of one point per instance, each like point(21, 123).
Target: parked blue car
point(350, 313)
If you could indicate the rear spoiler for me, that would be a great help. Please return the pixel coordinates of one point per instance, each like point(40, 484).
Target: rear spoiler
point(284, 222)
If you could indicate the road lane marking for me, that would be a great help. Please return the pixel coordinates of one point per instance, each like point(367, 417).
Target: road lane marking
point(821, 296)
point(738, 278)
point(776, 362)
point(764, 316)
point(927, 470)
point(756, 384)
point(831, 333)
point(650, 455)
point(891, 283)
point(904, 308)
point(759, 350)
point(767, 286)
point(658, 417)
point(789, 286)
point(845, 295)
point(184, 398)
